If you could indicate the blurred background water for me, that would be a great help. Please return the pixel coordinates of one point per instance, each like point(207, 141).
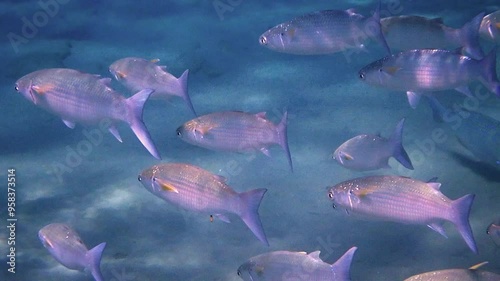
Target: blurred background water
point(99, 196)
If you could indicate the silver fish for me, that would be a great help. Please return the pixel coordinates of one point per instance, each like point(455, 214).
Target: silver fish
point(66, 246)
point(324, 32)
point(493, 231)
point(79, 97)
point(371, 152)
point(477, 132)
point(490, 27)
point(426, 70)
point(415, 32)
point(471, 274)
point(405, 200)
point(236, 131)
point(137, 74)
point(285, 265)
point(195, 189)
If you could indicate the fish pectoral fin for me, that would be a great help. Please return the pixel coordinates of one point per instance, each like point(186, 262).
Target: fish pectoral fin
point(413, 98)
point(346, 156)
point(497, 25)
point(390, 69)
point(475, 267)
point(204, 129)
point(362, 193)
point(120, 74)
point(42, 89)
point(259, 270)
point(154, 60)
point(261, 115)
point(69, 124)
point(223, 218)
point(166, 186)
point(290, 32)
point(438, 228)
point(265, 151)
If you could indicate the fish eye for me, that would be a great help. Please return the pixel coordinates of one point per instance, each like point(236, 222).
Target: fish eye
point(238, 272)
point(139, 178)
point(362, 76)
point(16, 88)
point(333, 205)
point(154, 179)
point(179, 132)
point(330, 195)
point(263, 40)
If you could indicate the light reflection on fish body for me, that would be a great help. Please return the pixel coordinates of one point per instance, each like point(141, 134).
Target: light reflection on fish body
point(404, 200)
point(78, 97)
point(237, 132)
point(286, 265)
point(371, 152)
point(324, 32)
point(195, 189)
point(409, 32)
point(423, 71)
point(66, 246)
point(138, 74)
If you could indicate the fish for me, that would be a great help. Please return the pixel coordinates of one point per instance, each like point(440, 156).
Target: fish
point(236, 131)
point(324, 32)
point(78, 97)
point(410, 32)
point(286, 265)
point(404, 200)
point(195, 189)
point(490, 27)
point(493, 231)
point(470, 274)
point(66, 246)
point(372, 152)
point(477, 132)
point(138, 74)
point(425, 70)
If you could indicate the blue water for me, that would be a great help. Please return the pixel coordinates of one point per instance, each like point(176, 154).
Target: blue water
point(147, 239)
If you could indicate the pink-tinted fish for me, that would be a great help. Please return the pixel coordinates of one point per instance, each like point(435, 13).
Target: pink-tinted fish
point(79, 97)
point(66, 246)
point(405, 200)
point(470, 274)
point(236, 131)
point(195, 189)
point(490, 27)
point(493, 231)
point(137, 74)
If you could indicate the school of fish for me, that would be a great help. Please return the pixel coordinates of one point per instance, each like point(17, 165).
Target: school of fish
point(427, 61)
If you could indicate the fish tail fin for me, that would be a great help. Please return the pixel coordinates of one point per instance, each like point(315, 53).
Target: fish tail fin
point(250, 212)
point(377, 32)
point(399, 151)
point(184, 90)
point(135, 105)
point(438, 110)
point(283, 138)
point(460, 217)
point(342, 267)
point(489, 72)
point(469, 37)
point(94, 261)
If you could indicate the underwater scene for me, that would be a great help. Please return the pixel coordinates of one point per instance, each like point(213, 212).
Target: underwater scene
point(229, 140)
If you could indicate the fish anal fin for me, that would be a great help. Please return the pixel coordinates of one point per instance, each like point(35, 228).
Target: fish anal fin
point(69, 124)
point(265, 151)
point(438, 228)
point(223, 218)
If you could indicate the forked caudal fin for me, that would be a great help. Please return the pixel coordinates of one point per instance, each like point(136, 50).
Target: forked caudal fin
point(94, 261)
point(460, 210)
point(250, 202)
point(399, 153)
point(489, 73)
point(183, 83)
point(135, 106)
point(378, 35)
point(469, 37)
point(283, 138)
point(342, 267)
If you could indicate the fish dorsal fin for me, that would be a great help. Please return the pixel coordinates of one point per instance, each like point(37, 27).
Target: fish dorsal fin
point(438, 20)
point(475, 267)
point(351, 11)
point(221, 178)
point(165, 186)
point(315, 255)
point(154, 60)
point(261, 115)
point(435, 185)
